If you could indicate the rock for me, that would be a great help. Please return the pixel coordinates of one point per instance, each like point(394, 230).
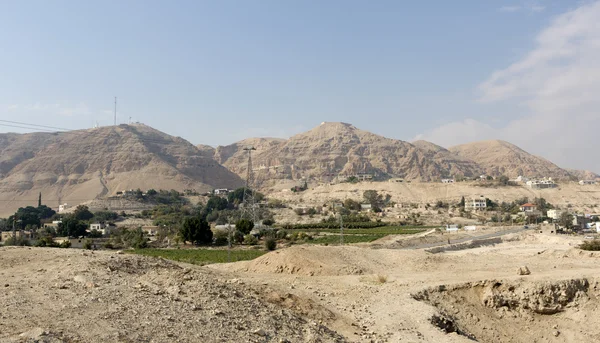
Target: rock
point(523, 270)
point(556, 333)
point(33, 334)
point(80, 279)
point(120, 252)
point(260, 332)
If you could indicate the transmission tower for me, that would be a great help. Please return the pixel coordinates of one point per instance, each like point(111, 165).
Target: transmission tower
point(249, 210)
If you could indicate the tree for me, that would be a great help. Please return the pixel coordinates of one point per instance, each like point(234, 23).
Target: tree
point(462, 202)
point(216, 203)
point(351, 205)
point(71, 227)
point(40, 200)
point(82, 212)
point(372, 197)
point(566, 220)
point(104, 216)
point(196, 231)
point(503, 180)
point(244, 226)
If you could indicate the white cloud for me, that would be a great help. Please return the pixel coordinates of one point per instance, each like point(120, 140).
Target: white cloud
point(557, 83)
point(528, 6)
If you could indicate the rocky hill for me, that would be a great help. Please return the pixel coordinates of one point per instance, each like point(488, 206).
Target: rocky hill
point(498, 157)
point(340, 149)
point(81, 165)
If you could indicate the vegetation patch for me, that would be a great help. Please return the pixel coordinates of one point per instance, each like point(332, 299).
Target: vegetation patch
point(201, 256)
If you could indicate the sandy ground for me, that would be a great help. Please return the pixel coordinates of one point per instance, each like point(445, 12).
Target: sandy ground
point(308, 293)
point(376, 290)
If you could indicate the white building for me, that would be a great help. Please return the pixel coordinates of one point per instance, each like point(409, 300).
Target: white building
point(221, 191)
point(447, 180)
point(543, 183)
point(587, 182)
point(451, 227)
point(63, 207)
point(554, 214)
point(477, 204)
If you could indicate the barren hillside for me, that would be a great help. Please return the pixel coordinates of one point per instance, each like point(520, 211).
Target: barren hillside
point(333, 149)
point(81, 165)
point(498, 157)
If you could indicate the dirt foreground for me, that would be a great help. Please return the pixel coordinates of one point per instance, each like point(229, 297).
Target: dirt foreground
point(307, 294)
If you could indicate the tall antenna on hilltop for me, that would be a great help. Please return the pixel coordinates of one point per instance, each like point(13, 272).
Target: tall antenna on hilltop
point(115, 111)
point(248, 206)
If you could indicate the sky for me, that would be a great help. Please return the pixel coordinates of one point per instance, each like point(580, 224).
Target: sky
point(215, 72)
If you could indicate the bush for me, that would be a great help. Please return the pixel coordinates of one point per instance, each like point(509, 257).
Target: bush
point(238, 237)
point(221, 237)
point(282, 234)
point(270, 244)
point(593, 245)
point(18, 242)
point(268, 222)
point(65, 244)
point(244, 226)
point(108, 245)
point(250, 240)
point(87, 244)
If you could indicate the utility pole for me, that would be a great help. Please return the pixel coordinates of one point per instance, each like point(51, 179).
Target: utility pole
point(115, 111)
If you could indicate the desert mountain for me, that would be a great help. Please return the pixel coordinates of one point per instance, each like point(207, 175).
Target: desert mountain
point(340, 149)
point(498, 157)
point(81, 165)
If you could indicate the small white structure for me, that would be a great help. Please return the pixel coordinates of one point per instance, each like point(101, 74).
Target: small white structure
point(554, 214)
point(63, 207)
point(587, 182)
point(451, 227)
point(365, 207)
point(598, 227)
point(447, 180)
point(221, 191)
point(470, 228)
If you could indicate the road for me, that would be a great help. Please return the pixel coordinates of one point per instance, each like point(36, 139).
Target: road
point(470, 238)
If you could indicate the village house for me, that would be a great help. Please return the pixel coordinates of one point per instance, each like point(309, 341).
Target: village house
point(398, 180)
point(53, 225)
point(477, 204)
point(105, 228)
point(62, 208)
point(581, 222)
point(221, 191)
point(528, 207)
point(365, 207)
point(540, 184)
point(19, 233)
point(447, 180)
point(554, 214)
point(452, 227)
point(587, 182)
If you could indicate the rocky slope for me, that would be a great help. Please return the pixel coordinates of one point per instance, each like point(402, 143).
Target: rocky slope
point(498, 157)
point(81, 165)
point(340, 149)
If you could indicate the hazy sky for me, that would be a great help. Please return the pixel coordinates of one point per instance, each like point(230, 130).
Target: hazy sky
point(215, 72)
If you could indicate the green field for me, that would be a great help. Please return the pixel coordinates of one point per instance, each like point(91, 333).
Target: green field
point(348, 239)
point(201, 256)
point(384, 230)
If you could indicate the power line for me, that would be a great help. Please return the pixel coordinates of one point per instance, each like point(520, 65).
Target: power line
point(28, 128)
point(44, 126)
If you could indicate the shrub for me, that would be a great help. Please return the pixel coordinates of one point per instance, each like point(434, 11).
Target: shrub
point(268, 222)
point(244, 225)
point(270, 244)
point(282, 234)
point(221, 237)
point(593, 245)
point(108, 245)
point(65, 244)
point(250, 240)
point(87, 244)
point(238, 237)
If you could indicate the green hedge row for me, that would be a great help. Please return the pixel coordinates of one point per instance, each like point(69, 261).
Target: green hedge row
point(363, 225)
